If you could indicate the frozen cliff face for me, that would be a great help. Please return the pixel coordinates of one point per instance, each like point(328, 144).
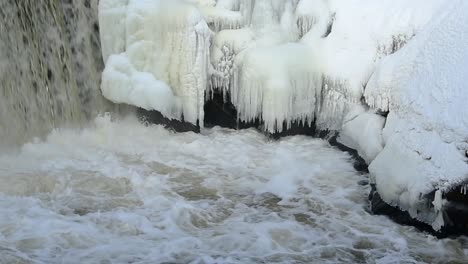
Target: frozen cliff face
point(339, 45)
point(157, 56)
point(426, 135)
point(271, 56)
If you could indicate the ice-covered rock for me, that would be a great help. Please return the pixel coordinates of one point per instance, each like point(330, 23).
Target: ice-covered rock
point(341, 41)
point(426, 135)
point(122, 83)
point(165, 45)
point(362, 131)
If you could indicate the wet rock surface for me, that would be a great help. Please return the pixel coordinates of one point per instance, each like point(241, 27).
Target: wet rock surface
point(455, 213)
point(155, 117)
point(456, 210)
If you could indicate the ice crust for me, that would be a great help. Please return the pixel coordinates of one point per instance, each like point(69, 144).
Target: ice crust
point(339, 63)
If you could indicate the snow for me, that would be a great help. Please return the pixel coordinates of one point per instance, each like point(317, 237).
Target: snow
point(426, 136)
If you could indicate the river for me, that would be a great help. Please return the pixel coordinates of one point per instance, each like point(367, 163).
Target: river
point(120, 191)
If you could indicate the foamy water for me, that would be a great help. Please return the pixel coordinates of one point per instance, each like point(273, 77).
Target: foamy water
point(122, 192)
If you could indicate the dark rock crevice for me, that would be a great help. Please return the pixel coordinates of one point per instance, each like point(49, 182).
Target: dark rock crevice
point(155, 117)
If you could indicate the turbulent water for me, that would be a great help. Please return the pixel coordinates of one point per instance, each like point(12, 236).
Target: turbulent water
point(123, 192)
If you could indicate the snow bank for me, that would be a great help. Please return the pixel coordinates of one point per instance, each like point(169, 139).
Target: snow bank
point(166, 45)
point(426, 136)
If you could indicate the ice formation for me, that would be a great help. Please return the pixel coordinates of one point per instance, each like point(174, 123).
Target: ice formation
point(343, 64)
point(339, 44)
point(281, 61)
point(165, 45)
point(362, 130)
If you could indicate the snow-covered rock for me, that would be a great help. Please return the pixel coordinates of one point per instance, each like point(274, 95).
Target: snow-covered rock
point(426, 136)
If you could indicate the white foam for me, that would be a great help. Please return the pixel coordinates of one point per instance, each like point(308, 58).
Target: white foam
point(120, 191)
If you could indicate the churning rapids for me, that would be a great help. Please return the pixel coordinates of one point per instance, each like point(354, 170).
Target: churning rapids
point(124, 192)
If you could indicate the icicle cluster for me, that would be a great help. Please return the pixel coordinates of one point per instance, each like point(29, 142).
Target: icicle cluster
point(281, 61)
point(161, 56)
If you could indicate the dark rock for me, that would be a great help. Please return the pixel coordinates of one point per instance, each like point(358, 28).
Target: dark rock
point(218, 112)
point(456, 210)
point(382, 113)
point(155, 117)
point(363, 182)
point(221, 112)
point(455, 213)
point(359, 163)
point(379, 207)
point(296, 128)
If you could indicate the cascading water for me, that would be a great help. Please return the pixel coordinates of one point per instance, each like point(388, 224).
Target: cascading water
point(50, 66)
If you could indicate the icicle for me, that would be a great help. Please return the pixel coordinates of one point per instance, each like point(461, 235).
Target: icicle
point(438, 204)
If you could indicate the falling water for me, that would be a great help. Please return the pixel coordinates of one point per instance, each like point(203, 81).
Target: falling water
point(50, 66)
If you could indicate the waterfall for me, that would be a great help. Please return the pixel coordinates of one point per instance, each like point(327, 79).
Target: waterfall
point(50, 67)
